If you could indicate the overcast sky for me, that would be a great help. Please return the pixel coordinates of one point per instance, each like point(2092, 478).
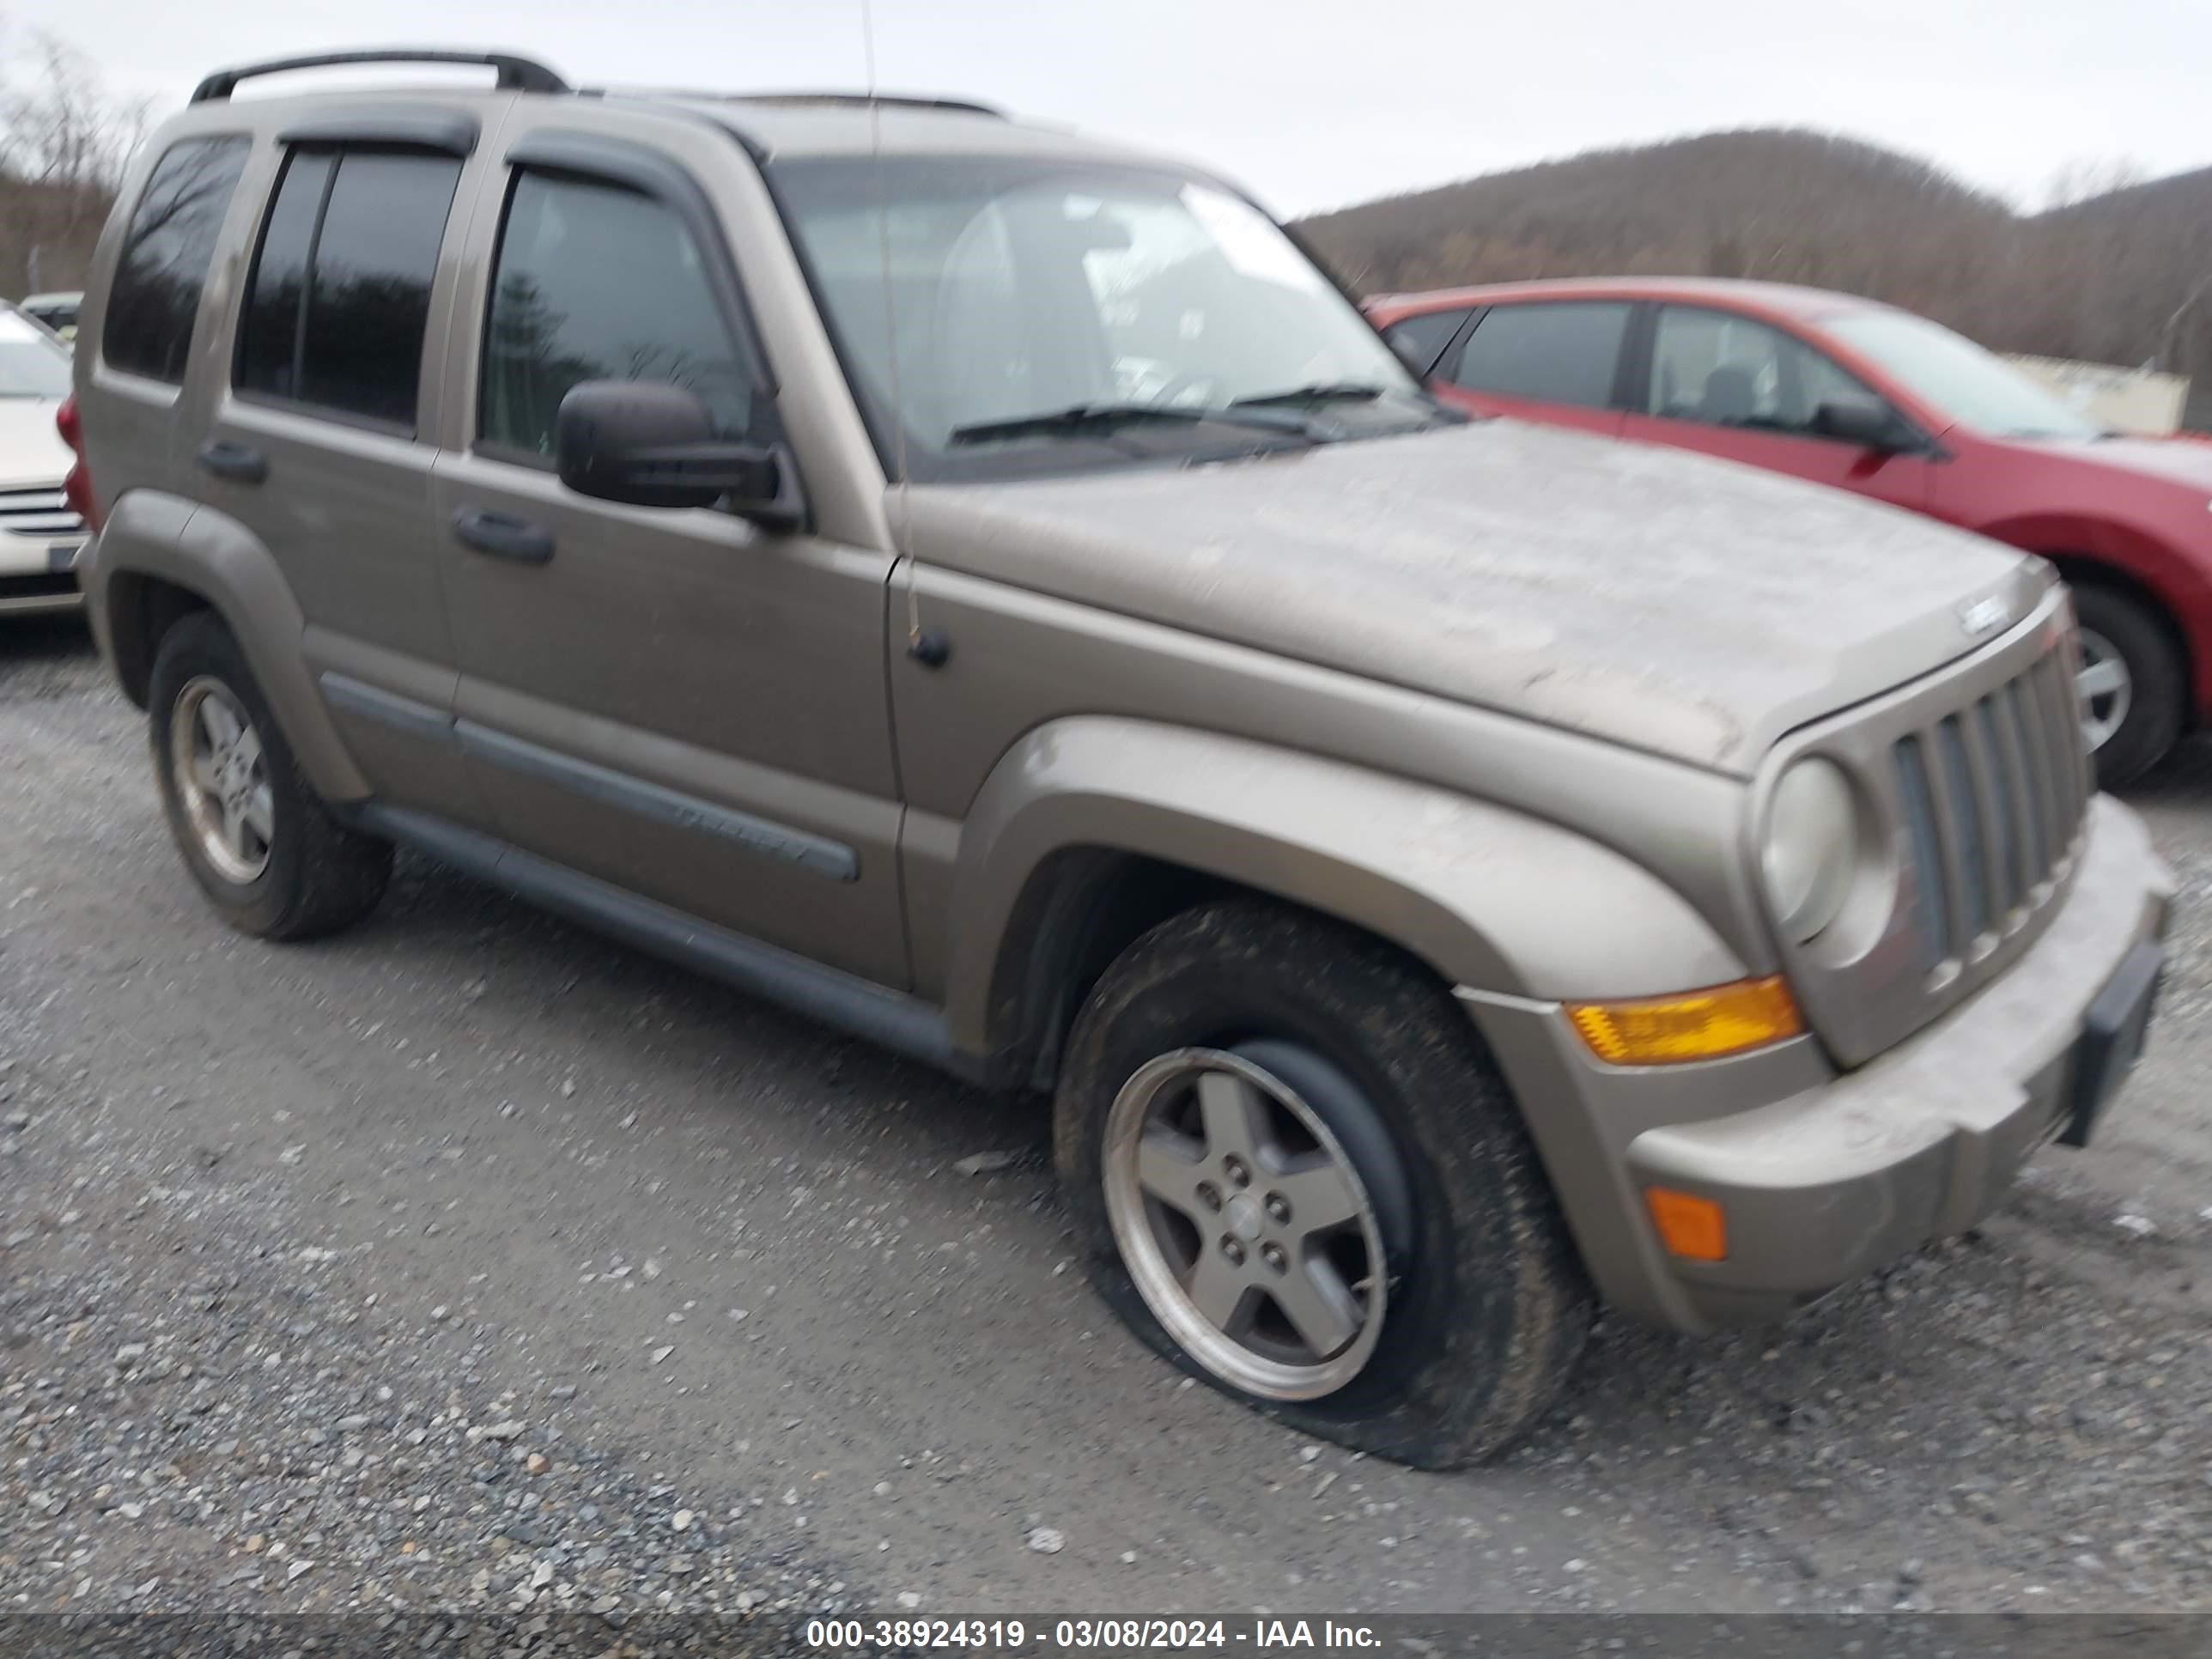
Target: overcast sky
point(1314, 105)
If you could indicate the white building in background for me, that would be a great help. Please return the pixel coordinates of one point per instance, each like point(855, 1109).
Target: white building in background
point(2131, 399)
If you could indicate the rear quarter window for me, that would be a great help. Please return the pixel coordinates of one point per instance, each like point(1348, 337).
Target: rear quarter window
point(155, 295)
point(1421, 339)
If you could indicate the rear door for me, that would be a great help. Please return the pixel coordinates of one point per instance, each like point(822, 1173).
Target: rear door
point(316, 440)
point(1731, 386)
point(1554, 361)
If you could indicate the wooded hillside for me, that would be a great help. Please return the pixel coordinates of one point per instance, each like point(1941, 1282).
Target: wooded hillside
point(2101, 279)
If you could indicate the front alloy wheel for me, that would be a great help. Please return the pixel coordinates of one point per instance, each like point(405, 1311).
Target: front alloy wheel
point(1245, 1225)
point(2106, 687)
point(1293, 1168)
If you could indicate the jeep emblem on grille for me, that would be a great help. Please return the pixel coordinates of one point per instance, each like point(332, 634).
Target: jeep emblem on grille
point(1981, 617)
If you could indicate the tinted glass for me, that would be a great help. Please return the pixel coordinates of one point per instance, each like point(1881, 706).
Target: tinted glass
point(1556, 353)
point(1423, 339)
point(156, 292)
point(33, 363)
point(370, 294)
point(1721, 369)
point(269, 334)
point(596, 283)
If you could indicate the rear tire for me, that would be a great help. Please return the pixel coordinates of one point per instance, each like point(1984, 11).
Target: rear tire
point(1362, 1061)
point(2134, 683)
point(255, 836)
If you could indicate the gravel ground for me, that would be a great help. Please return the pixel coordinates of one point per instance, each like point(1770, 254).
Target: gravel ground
point(470, 1263)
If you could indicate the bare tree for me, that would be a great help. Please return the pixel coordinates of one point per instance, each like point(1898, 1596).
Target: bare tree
point(64, 142)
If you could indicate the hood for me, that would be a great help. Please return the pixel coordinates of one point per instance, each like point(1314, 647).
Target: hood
point(31, 450)
point(2176, 460)
point(1691, 607)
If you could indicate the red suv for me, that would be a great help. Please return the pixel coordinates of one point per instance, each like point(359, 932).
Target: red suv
point(1844, 391)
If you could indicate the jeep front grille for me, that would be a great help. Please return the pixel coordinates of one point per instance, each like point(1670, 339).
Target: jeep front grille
point(1978, 779)
point(1992, 797)
point(43, 512)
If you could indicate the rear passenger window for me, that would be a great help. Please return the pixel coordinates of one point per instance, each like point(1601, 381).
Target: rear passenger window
point(1551, 353)
point(165, 254)
point(341, 290)
point(597, 283)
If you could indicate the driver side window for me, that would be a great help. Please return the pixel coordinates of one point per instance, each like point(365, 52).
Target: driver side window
point(596, 281)
point(1720, 369)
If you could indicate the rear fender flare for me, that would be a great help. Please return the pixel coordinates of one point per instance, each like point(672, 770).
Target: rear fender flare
point(152, 534)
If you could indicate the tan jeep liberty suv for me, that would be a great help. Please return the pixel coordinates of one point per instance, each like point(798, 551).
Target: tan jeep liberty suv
point(985, 588)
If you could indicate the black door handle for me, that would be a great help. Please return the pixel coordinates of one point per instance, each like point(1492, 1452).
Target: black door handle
point(236, 462)
point(503, 536)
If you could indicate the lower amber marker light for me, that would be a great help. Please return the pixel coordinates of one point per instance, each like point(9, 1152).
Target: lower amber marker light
point(1690, 1227)
point(1671, 1030)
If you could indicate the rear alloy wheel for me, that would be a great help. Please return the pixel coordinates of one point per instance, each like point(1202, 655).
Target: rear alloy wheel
point(2132, 683)
point(261, 844)
point(1292, 1169)
point(222, 779)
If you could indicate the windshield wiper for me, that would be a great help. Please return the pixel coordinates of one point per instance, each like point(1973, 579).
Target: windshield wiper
point(1324, 392)
point(1101, 417)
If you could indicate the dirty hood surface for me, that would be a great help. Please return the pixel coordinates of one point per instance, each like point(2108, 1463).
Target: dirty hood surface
point(1686, 606)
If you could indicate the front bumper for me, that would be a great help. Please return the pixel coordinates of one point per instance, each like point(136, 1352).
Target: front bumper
point(1824, 1177)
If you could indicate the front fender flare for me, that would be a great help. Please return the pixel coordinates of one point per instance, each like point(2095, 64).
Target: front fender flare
point(152, 534)
point(1490, 898)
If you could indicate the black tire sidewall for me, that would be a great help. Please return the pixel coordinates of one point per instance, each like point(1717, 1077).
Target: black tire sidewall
point(1473, 1296)
point(2158, 713)
point(201, 646)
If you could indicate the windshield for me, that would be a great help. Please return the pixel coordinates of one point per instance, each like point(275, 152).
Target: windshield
point(1974, 387)
point(1024, 288)
point(33, 363)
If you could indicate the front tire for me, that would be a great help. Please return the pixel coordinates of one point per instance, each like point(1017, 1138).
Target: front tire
point(257, 838)
point(1294, 1171)
point(2133, 684)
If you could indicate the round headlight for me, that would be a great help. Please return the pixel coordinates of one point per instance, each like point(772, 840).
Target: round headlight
point(1811, 847)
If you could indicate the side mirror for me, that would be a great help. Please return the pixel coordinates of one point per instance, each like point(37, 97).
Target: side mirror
point(1868, 425)
point(646, 443)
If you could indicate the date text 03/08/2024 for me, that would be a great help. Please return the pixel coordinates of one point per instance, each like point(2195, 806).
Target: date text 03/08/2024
point(1108, 1634)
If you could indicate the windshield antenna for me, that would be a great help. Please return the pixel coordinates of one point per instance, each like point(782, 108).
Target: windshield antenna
point(902, 510)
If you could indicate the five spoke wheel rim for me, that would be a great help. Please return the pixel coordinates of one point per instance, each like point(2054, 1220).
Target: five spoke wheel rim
point(222, 779)
point(1245, 1225)
point(2106, 688)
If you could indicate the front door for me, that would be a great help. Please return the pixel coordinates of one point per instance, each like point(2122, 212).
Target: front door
point(1730, 385)
point(678, 702)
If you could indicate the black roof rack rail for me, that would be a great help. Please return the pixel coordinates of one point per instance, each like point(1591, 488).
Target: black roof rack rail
point(515, 74)
point(799, 99)
point(861, 100)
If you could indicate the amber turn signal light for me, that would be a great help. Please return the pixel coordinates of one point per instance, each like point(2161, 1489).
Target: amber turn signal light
point(1691, 1227)
point(1726, 1019)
